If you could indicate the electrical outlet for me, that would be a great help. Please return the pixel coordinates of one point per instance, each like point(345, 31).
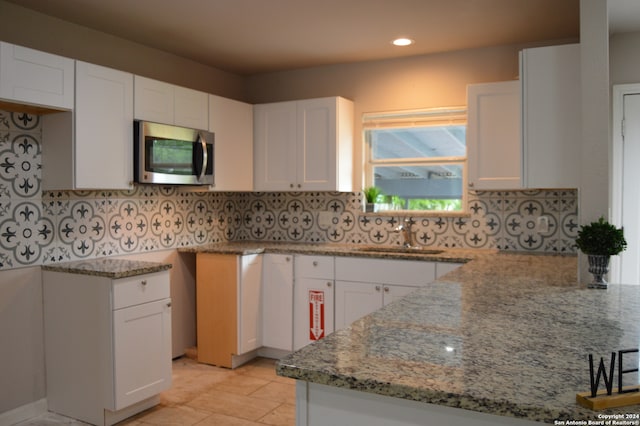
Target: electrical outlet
point(543, 224)
point(324, 219)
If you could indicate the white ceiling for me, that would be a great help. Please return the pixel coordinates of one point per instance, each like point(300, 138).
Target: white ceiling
point(254, 36)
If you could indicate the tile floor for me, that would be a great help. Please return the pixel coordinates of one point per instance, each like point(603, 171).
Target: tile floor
point(203, 395)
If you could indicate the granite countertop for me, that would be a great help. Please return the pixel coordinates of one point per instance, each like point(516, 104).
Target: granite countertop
point(346, 250)
point(107, 267)
point(504, 334)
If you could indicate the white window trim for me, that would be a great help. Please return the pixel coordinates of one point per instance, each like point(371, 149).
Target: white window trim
point(415, 118)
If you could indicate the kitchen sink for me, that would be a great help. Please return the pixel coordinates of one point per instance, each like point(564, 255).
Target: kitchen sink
point(416, 250)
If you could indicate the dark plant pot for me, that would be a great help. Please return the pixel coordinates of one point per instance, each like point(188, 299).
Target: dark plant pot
point(369, 207)
point(598, 267)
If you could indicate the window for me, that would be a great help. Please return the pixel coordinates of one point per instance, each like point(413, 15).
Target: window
point(418, 159)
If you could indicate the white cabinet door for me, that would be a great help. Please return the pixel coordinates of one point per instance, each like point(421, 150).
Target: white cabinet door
point(275, 146)
point(153, 100)
point(355, 300)
point(312, 310)
point(191, 108)
point(277, 301)
point(90, 148)
point(395, 292)
point(316, 152)
point(142, 346)
point(33, 77)
point(166, 103)
point(249, 314)
point(551, 116)
point(493, 135)
point(104, 128)
point(304, 145)
point(443, 268)
point(231, 122)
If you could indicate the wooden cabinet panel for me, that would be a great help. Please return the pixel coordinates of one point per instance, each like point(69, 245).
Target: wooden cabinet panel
point(227, 307)
point(216, 308)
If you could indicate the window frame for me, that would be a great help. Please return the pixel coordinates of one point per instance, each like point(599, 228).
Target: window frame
point(408, 119)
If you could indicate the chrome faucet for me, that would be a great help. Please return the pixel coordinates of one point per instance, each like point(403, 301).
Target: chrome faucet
point(407, 235)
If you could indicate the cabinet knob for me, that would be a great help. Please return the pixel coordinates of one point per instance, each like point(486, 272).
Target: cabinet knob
point(386, 289)
point(377, 288)
point(168, 304)
point(471, 184)
point(288, 259)
point(290, 185)
point(299, 186)
point(329, 284)
point(315, 263)
point(143, 282)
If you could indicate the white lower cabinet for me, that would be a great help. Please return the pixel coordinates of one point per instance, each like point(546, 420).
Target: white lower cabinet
point(107, 344)
point(277, 301)
point(357, 299)
point(313, 308)
point(443, 268)
point(365, 285)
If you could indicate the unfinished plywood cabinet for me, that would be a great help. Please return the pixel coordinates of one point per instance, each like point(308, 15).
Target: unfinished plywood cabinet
point(228, 308)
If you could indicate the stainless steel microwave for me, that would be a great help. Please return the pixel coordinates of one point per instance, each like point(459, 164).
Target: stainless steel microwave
point(172, 155)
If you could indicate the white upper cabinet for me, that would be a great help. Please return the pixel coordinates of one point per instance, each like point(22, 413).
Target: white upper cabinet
point(231, 122)
point(493, 135)
point(304, 145)
point(28, 76)
point(551, 125)
point(166, 103)
point(91, 148)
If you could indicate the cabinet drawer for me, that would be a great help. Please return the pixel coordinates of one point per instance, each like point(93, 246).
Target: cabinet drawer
point(132, 291)
point(314, 266)
point(385, 271)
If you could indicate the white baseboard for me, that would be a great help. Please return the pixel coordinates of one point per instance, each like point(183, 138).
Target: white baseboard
point(23, 413)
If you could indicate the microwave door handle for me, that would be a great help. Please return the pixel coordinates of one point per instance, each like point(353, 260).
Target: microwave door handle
point(203, 144)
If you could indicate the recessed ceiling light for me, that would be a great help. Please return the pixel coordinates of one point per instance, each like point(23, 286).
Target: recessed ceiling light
point(402, 41)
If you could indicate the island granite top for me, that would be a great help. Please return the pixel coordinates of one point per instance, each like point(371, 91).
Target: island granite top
point(108, 267)
point(504, 334)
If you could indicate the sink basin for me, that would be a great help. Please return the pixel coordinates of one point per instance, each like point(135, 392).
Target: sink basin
point(416, 250)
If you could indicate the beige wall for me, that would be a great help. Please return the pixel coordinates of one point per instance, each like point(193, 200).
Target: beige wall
point(624, 58)
point(30, 29)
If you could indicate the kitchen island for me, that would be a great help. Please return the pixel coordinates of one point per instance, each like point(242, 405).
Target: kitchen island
point(503, 339)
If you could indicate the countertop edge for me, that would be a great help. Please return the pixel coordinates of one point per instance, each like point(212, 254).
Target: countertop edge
point(97, 268)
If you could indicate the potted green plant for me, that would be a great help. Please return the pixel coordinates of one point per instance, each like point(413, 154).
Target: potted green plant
point(371, 195)
point(599, 241)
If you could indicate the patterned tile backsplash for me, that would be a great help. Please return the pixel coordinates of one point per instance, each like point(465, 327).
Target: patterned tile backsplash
point(38, 227)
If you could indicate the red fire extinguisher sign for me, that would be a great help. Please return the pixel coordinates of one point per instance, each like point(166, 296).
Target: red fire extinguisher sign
point(316, 314)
